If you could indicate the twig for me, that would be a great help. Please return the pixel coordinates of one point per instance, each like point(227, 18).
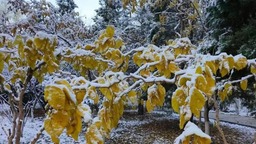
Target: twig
point(37, 136)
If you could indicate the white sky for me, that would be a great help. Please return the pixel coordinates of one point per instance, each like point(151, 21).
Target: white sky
point(86, 8)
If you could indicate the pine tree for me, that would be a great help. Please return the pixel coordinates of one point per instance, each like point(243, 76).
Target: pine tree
point(108, 14)
point(233, 27)
point(66, 6)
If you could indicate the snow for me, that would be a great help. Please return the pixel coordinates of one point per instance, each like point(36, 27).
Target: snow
point(190, 129)
point(71, 94)
point(33, 126)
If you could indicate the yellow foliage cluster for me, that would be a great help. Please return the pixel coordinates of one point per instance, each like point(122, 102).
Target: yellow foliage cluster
point(107, 119)
point(116, 87)
point(164, 63)
point(156, 97)
point(181, 46)
point(67, 112)
point(199, 83)
point(105, 54)
point(133, 4)
point(191, 92)
point(30, 54)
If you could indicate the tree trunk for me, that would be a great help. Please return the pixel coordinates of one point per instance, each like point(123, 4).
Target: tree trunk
point(255, 138)
point(21, 108)
point(141, 108)
point(200, 121)
point(206, 119)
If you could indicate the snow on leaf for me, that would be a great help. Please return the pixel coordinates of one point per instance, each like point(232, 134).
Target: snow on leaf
point(212, 65)
point(185, 115)
point(209, 89)
point(192, 130)
point(227, 90)
point(240, 62)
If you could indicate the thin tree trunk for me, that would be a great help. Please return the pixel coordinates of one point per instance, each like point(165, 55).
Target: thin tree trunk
point(200, 121)
point(14, 123)
point(206, 118)
point(21, 109)
point(218, 120)
point(140, 107)
point(255, 138)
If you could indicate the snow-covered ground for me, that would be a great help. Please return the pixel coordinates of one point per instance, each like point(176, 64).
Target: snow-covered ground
point(34, 125)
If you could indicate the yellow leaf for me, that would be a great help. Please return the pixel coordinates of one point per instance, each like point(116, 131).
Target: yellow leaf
point(223, 72)
point(243, 84)
point(231, 62)
point(115, 88)
point(93, 94)
point(201, 140)
point(55, 124)
point(119, 43)
point(93, 134)
point(137, 59)
point(77, 126)
point(172, 67)
point(199, 70)
point(209, 89)
point(55, 97)
point(79, 95)
point(227, 90)
point(240, 62)
point(253, 69)
point(89, 47)
point(60, 118)
point(1, 62)
point(110, 31)
point(132, 93)
point(178, 99)
point(161, 94)
point(49, 129)
point(67, 89)
point(145, 73)
point(107, 93)
point(213, 66)
point(183, 79)
point(201, 83)
point(2, 79)
point(197, 101)
point(149, 106)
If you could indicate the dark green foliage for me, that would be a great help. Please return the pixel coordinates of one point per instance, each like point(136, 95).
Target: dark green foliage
point(66, 6)
point(233, 26)
point(108, 14)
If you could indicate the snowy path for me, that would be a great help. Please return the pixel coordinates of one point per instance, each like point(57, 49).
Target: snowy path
point(235, 119)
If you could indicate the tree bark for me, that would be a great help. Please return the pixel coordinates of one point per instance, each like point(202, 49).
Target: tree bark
point(218, 120)
point(21, 109)
point(206, 118)
point(140, 108)
point(255, 138)
point(200, 121)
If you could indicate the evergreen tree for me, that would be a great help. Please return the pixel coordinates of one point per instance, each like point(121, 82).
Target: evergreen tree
point(66, 6)
point(233, 27)
point(108, 14)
